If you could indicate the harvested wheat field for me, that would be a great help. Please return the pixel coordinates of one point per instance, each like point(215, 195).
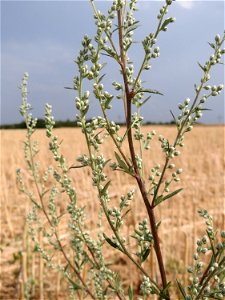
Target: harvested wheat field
point(202, 161)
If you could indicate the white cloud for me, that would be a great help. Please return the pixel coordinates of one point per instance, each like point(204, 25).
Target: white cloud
point(186, 4)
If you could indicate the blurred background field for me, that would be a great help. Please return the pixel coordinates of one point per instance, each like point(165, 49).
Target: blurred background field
point(203, 163)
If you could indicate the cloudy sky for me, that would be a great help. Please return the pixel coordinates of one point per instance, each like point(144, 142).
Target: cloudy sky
point(43, 38)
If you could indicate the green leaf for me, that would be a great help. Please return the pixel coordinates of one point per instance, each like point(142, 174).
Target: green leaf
point(124, 215)
point(212, 45)
point(182, 290)
point(150, 91)
point(110, 242)
point(130, 293)
point(122, 163)
point(173, 116)
point(164, 292)
point(105, 188)
point(69, 88)
point(143, 102)
point(166, 22)
point(203, 69)
point(132, 28)
point(145, 254)
point(106, 291)
point(117, 280)
point(105, 163)
point(100, 79)
point(77, 167)
point(172, 194)
point(160, 199)
point(74, 285)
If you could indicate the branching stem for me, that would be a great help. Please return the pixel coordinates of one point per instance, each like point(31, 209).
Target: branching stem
point(139, 180)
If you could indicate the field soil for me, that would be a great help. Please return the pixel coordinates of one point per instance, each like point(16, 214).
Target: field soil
point(202, 180)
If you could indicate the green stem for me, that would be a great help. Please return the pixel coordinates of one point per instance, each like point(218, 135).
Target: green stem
point(50, 223)
point(145, 57)
point(208, 279)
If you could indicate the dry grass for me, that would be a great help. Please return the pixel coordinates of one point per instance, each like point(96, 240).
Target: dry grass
point(203, 181)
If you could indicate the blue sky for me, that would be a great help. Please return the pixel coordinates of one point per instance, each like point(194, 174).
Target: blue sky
point(43, 38)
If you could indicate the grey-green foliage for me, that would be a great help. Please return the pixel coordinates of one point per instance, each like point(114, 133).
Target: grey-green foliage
point(207, 281)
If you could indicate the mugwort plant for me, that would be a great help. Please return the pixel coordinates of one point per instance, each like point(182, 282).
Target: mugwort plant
point(87, 270)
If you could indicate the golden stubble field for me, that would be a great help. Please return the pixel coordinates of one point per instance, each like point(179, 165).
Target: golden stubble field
point(202, 160)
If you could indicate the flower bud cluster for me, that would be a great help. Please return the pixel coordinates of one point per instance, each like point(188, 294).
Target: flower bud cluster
point(52, 206)
point(84, 56)
point(155, 172)
point(169, 150)
point(143, 233)
point(136, 121)
point(24, 107)
point(149, 137)
point(216, 90)
point(175, 175)
point(139, 162)
point(129, 73)
point(125, 200)
point(103, 96)
point(138, 135)
point(185, 113)
point(49, 120)
point(117, 86)
point(116, 217)
point(82, 104)
point(97, 174)
point(84, 160)
point(163, 11)
point(144, 239)
point(148, 44)
point(147, 287)
point(103, 23)
point(215, 285)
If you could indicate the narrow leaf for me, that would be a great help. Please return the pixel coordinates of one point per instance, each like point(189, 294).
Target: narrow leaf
point(77, 167)
point(173, 116)
point(121, 163)
point(142, 103)
point(105, 163)
point(172, 194)
point(105, 187)
point(182, 290)
point(74, 285)
point(145, 255)
point(117, 280)
point(203, 69)
point(110, 242)
point(100, 79)
point(124, 215)
point(150, 91)
point(69, 88)
point(164, 292)
point(160, 199)
point(130, 293)
point(212, 45)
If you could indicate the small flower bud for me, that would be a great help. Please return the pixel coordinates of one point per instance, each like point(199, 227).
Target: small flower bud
point(220, 87)
point(187, 101)
point(217, 38)
point(179, 171)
